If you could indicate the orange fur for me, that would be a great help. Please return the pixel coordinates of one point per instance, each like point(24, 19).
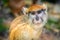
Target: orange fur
point(35, 7)
point(22, 30)
point(18, 28)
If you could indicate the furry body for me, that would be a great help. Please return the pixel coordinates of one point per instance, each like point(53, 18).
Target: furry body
point(24, 31)
point(28, 27)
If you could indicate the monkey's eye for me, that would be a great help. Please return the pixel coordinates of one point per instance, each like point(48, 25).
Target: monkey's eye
point(43, 9)
point(29, 12)
point(39, 11)
point(32, 13)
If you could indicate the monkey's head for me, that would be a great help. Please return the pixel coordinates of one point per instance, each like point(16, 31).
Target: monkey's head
point(37, 15)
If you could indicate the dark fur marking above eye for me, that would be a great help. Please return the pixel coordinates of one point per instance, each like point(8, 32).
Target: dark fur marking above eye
point(29, 12)
point(32, 13)
point(39, 11)
point(43, 9)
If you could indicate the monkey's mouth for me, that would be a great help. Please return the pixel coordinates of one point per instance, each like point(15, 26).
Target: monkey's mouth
point(36, 22)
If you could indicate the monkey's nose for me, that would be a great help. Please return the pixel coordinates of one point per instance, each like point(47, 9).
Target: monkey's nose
point(37, 18)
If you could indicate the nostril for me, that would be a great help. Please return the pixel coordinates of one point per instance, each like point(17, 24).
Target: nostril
point(37, 18)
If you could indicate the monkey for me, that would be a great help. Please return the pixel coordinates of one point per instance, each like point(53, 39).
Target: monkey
point(29, 26)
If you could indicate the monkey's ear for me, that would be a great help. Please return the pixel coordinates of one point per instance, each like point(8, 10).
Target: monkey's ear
point(24, 10)
point(45, 6)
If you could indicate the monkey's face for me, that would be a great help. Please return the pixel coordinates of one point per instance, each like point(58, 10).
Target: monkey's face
point(38, 17)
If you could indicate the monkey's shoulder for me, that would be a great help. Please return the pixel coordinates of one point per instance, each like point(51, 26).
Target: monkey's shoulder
point(18, 20)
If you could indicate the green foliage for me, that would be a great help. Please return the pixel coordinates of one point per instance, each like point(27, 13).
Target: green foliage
point(5, 1)
point(2, 27)
point(50, 22)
